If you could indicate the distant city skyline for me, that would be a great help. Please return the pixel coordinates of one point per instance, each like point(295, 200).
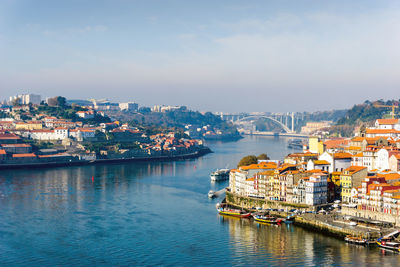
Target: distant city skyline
point(228, 56)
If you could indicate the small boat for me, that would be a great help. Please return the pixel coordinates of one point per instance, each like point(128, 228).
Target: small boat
point(220, 175)
point(211, 194)
point(226, 210)
point(266, 219)
point(289, 219)
point(358, 240)
point(389, 241)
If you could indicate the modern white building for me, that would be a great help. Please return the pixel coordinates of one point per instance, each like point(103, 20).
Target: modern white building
point(26, 99)
point(129, 106)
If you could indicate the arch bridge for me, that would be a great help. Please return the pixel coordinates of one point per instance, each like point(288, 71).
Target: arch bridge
point(255, 117)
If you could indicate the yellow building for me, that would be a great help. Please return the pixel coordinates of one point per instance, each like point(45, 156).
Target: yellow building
point(30, 125)
point(351, 178)
point(315, 145)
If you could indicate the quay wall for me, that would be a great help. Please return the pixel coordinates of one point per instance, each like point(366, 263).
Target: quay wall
point(319, 223)
point(249, 203)
point(329, 229)
point(373, 215)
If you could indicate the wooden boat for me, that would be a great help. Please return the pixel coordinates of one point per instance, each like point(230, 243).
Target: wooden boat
point(358, 240)
point(266, 219)
point(389, 241)
point(226, 210)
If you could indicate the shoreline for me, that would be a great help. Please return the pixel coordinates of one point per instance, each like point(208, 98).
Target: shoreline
point(40, 165)
point(314, 223)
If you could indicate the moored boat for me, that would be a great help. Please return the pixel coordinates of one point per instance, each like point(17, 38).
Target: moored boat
point(220, 175)
point(390, 242)
point(289, 219)
point(211, 194)
point(358, 240)
point(266, 219)
point(226, 210)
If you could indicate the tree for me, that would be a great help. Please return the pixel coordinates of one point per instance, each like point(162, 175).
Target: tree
point(247, 160)
point(263, 157)
point(61, 101)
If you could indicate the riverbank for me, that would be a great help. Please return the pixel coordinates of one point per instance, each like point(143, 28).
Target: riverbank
point(328, 224)
point(196, 154)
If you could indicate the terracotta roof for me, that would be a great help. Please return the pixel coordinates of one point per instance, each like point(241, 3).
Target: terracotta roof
point(357, 139)
point(15, 145)
point(27, 155)
point(2, 152)
point(381, 131)
point(353, 169)
point(321, 162)
point(8, 136)
point(342, 155)
point(388, 121)
point(334, 143)
point(391, 176)
point(359, 155)
point(357, 148)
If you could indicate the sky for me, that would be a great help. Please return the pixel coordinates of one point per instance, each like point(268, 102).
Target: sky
point(225, 55)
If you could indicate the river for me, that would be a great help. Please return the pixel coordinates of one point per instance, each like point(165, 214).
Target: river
point(154, 213)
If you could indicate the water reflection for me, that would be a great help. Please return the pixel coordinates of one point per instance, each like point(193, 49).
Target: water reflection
point(153, 213)
point(286, 245)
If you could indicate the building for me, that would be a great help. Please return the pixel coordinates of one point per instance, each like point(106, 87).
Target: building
point(27, 99)
point(394, 163)
point(16, 148)
point(85, 114)
point(316, 188)
point(338, 161)
point(351, 178)
point(314, 126)
point(316, 145)
point(387, 124)
point(29, 125)
point(129, 106)
point(9, 138)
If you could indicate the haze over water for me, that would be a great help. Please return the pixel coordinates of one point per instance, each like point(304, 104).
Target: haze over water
point(153, 213)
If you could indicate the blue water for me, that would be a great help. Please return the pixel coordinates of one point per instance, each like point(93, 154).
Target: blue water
point(153, 214)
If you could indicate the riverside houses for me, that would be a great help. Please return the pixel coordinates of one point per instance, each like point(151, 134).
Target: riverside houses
point(316, 189)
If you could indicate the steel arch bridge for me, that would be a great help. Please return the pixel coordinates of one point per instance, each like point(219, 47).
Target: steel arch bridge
point(284, 127)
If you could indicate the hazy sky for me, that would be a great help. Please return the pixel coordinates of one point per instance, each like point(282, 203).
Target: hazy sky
point(220, 55)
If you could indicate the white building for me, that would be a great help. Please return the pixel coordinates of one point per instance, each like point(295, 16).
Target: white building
point(129, 106)
point(316, 189)
point(387, 124)
point(338, 161)
point(27, 99)
point(86, 114)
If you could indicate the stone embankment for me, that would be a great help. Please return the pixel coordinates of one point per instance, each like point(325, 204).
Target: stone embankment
point(331, 224)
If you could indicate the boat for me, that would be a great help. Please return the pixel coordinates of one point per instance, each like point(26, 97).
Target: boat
point(226, 210)
point(296, 143)
point(358, 240)
point(289, 219)
point(266, 219)
point(389, 241)
point(220, 175)
point(211, 194)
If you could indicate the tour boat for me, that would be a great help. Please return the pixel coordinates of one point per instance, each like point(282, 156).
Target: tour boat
point(389, 241)
point(220, 175)
point(266, 219)
point(226, 210)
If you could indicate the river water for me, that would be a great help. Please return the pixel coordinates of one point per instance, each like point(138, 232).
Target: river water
point(154, 213)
